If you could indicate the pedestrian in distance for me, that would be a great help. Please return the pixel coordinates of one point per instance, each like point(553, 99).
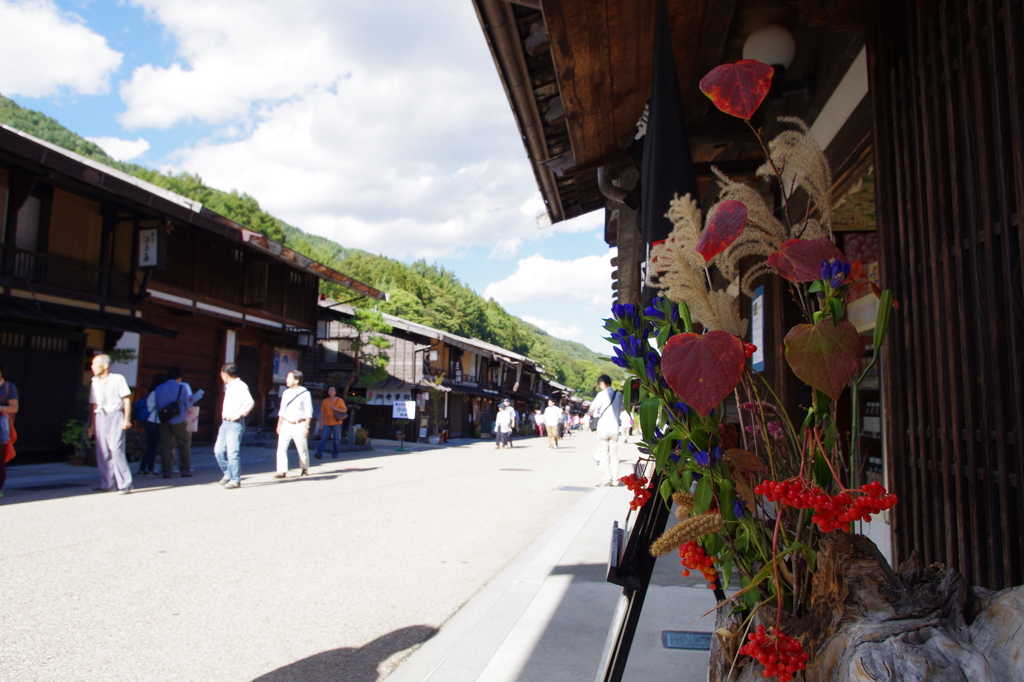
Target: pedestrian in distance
point(538, 420)
point(503, 426)
point(605, 408)
point(625, 424)
point(111, 403)
point(293, 424)
point(8, 408)
point(238, 403)
point(552, 423)
point(145, 413)
point(173, 398)
point(332, 414)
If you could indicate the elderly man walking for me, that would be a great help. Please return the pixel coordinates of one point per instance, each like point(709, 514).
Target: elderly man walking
point(111, 403)
point(605, 409)
point(238, 403)
point(293, 424)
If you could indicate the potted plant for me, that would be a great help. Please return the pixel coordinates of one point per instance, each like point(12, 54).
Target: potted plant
point(73, 432)
point(362, 435)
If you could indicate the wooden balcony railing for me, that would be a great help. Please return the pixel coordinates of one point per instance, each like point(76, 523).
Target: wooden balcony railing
point(65, 274)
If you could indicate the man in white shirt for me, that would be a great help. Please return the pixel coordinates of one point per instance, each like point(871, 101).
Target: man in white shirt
point(238, 403)
point(293, 424)
point(552, 417)
point(503, 426)
point(605, 409)
point(111, 403)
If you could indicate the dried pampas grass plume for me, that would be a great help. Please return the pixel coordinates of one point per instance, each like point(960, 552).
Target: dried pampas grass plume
point(678, 270)
point(684, 502)
point(802, 164)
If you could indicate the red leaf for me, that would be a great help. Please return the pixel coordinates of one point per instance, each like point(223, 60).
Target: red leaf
point(703, 369)
point(738, 89)
point(799, 260)
point(825, 355)
point(725, 225)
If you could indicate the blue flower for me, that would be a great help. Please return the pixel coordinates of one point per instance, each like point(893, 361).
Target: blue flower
point(738, 508)
point(702, 458)
point(684, 408)
point(643, 451)
point(692, 448)
point(619, 362)
point(658, 435)
point(674, 456)
point(835, 272)
point(651, 311)
point(675, 313)
point(716, 453)
point(656, 301)
point(697, 476)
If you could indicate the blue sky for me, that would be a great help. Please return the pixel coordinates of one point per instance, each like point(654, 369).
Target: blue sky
point(380, 125)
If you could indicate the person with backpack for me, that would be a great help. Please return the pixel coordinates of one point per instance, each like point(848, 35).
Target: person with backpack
point(173, 398)
point(145, 413)
point(604, 410)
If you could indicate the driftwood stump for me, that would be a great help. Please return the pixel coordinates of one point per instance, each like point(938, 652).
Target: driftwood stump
point(868, 623)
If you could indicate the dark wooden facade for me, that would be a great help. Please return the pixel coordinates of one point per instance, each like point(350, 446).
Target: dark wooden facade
point(71, 286)
point(947, 89)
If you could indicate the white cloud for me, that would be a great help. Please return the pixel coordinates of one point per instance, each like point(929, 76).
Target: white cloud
point(393, 137)
point(586, 279)
point(122, 150)
point(506, 248)
point(556, 329)
point(44, 52)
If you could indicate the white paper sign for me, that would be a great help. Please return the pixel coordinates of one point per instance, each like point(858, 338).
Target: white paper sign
point(149, 244)
point(757, 329)
point(403, 409)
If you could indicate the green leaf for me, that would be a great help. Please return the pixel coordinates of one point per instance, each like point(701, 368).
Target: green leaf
point(882, 319)
point(816, 286)
point(666, 491)
point(684, 315)
point(824, 355)
point(836, 308)
point(702, 498)
point(726, 496)
point(649, 417)
point(725, 570)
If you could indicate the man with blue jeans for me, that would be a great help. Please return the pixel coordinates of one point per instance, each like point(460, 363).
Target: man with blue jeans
point(238, 403)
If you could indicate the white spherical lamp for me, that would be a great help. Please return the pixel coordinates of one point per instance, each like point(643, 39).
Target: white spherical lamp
point(771, 44)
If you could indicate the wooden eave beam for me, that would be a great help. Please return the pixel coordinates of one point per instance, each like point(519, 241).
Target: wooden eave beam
point(499, 27)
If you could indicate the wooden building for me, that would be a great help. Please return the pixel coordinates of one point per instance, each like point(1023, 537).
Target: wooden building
point(92, 259)
point(917, 107)
point(474, 376)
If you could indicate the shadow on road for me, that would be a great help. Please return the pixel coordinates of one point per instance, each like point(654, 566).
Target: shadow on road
point(350, 664)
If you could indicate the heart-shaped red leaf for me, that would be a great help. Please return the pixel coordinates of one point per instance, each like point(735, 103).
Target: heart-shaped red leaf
point(738, 89)
point(825, 355)
point(703, 369)
point(799, 260)
point(727, 222)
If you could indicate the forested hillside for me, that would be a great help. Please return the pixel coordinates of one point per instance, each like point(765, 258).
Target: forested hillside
point(420, 292)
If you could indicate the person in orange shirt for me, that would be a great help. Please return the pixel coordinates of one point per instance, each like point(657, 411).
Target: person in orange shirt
point(332, 413)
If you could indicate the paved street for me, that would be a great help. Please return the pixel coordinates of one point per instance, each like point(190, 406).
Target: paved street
point(334, 576)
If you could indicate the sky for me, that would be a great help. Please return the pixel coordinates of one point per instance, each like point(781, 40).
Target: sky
point(381, 125)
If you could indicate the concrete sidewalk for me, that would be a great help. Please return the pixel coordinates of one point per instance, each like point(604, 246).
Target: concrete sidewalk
point(546, 617)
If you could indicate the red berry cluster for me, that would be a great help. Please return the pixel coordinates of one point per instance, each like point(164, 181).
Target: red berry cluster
point(832, 512)
point(694, 557)
point(780, 654)
point(749, 349)
point(640, 493)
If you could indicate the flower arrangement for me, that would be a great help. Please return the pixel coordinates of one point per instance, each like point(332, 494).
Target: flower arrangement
point(757, 496)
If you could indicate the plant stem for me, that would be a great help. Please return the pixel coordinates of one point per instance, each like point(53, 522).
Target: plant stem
point(782, 185)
